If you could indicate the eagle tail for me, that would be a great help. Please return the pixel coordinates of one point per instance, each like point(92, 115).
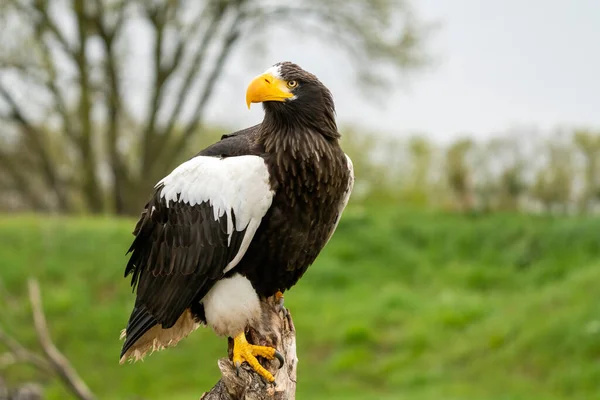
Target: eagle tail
point(140, 322)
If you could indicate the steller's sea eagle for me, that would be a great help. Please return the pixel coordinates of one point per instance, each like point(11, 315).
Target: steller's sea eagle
point(240, 221)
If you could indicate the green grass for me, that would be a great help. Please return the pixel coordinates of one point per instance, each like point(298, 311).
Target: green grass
point(401, 305)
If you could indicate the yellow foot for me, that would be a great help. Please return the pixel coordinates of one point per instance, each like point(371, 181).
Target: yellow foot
point(244, 351)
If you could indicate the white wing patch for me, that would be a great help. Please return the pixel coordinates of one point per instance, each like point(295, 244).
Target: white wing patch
point(238, 185)
point(346, 197)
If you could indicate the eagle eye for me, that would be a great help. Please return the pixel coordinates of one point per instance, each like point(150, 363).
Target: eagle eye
point(292, 84)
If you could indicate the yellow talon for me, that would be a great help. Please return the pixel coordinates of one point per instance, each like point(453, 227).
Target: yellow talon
point(244, 351)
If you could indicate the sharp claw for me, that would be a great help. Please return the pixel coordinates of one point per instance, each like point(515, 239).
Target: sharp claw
point(280, 358)
point(237, 368)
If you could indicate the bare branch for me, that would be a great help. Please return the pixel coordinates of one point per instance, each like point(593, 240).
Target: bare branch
point(366, 33)
point(22, 67)
point(20, 180)
point(195, 69)
point(46, 80)
point(120, 174)
point(187, 35)
point(156, 16)
point(59, 362)
point(100, 18)
point(231, 36)
point(51, 86)
point(90, 185)
point(20, 354)
point(48, 24)
point(36, 138)
point(45, 73)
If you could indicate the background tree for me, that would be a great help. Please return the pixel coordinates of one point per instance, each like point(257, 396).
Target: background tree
point(459, 173)
point(70, 138)
point(588, 146)
point(554, 181)
point(501, 173)
point(418, 182)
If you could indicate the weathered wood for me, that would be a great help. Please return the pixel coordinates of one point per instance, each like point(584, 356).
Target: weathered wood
point(277, 331)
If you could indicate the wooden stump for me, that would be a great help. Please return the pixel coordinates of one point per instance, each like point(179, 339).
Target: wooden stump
point(277, 331)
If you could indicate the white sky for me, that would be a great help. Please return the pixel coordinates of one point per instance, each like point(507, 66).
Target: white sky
point(500, 64)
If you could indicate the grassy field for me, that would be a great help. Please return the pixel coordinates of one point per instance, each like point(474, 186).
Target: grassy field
point(401, 305)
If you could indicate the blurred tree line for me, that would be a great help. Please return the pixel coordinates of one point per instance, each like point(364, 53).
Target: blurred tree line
point(70, 140)
point(519, 170)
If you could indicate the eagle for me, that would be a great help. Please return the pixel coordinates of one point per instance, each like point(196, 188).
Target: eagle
point(240, 221)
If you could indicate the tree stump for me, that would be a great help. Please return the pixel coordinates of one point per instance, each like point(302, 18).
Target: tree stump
point(277, 331)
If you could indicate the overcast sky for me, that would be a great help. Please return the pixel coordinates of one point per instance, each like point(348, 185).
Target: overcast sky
point(500, 64)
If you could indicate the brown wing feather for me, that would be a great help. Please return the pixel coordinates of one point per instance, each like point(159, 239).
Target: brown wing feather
point(174, 256)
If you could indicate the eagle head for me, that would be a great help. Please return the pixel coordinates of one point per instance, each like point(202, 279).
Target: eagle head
point(288, 91)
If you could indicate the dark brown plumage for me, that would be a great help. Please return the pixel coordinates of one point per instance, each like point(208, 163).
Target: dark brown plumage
point(181, 251)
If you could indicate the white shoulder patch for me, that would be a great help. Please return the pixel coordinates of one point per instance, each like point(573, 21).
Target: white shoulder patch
point(350, 185)
point(238, 185)
point(346, 197)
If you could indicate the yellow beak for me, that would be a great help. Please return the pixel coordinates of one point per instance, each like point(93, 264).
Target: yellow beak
point(266, 87)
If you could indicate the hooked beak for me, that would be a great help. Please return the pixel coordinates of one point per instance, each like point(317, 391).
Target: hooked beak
point(266, 87)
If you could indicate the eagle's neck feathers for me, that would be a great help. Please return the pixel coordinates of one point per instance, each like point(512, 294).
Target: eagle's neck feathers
point(303, 162)
point(309, 117)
